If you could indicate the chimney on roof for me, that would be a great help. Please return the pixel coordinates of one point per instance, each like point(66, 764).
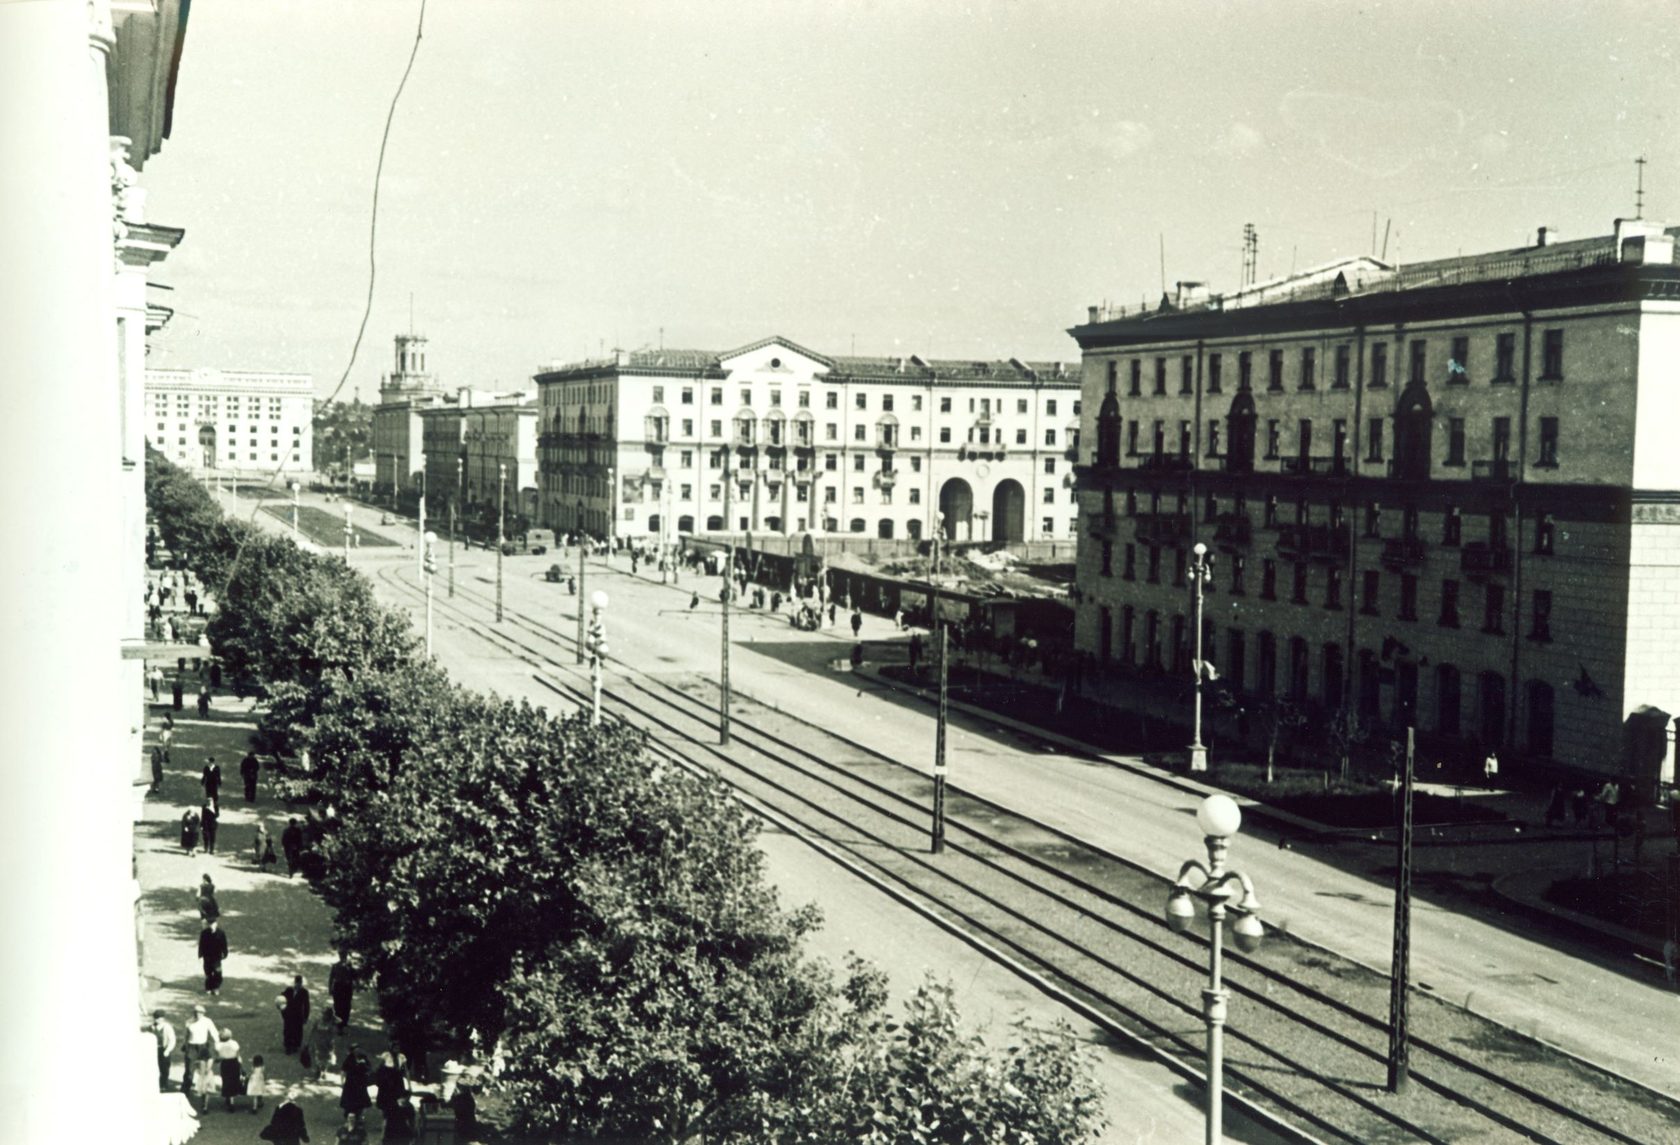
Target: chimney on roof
point(901, 362)
point(1191, 294)
point(1643, 241)
point(1543, 237)
point(1092, 314)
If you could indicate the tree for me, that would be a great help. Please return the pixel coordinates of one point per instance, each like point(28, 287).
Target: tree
point(343, 432)
point(1345, 732)
point(1277, 716)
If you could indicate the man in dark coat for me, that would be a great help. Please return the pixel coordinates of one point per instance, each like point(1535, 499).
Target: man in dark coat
point(341, 984)
point(286, 1127)
point(291, 842)
point(177, 694)
point(211, 778)
point(210, 819)
point(294, 1014)
point(249, 770)
point(212, 951)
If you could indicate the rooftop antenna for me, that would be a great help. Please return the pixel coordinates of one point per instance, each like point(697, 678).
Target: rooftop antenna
point(1386, 227)
point(1163, 236)
point(1639, 188)
point(1251, 254)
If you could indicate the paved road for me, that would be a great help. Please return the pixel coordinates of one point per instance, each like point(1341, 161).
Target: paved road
point(1606, 1010)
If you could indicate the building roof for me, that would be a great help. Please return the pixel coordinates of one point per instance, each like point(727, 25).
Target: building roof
point(709, 363)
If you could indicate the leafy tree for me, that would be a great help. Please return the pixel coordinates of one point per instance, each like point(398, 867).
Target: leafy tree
point(1345, 732)
point(343, 432)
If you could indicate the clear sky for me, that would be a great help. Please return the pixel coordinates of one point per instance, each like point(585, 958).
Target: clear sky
point(943, 177)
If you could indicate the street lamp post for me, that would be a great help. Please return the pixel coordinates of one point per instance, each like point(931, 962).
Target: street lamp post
point(501, 511)
point(1218, 817)
point(294, 510)
point(455, 518)
point(728, 591)
point(427, 568)
point(597, 651)
point(420, 529)
point(939, 769)
point(349, 529)
point(1201, 573)
point(583, 570)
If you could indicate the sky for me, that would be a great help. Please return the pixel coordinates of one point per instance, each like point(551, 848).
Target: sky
point(947, 178)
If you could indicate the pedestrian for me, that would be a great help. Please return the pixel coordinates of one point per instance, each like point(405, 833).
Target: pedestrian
point(260, 842)
point(392, 1086)
point(1611, 797)
point(208, 909)
point(157, 769)
point(1490, 768)
point(212, 951)
point(857, 622)
point(693, 601)
point(256, 1085)
point(231, 1068)
point(294, 1014)
point(319, 1055)
point(341, 986)
point(464, 1105)
point(635, 562)
point(166, 1041)
point(166, 737)
point(192, 602)
point(291, 842)
point(155, 679)
point(204, 703)
point(215, 673)
point(915, 650)
point(857, 656)
point(211, 778)
point(775, 602)
point(898, 620)
point(178, 693)
point(286, 1127)
point(210, 817)
point(833, 614)
point(249, 770)
point(200, 1047)
point(353, 1097)
point(189, 830)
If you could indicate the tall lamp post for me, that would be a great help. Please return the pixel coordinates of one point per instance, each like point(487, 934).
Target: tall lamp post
point(428, 566)
point(939, 769)
point(454, 519)
point(1218, 817)
point(597, 651)
point(349, 530)
point(501, 517)
point(1201, 573)
point(583, 570)
point(294, 510)
point(728, 591)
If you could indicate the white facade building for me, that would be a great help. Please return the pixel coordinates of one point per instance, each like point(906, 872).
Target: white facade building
point(398, 447)
point(776, 438)
point(248, 423)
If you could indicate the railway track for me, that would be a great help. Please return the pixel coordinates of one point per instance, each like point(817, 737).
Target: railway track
point(1309, 1042)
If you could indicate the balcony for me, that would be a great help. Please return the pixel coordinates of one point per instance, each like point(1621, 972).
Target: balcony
point(1313, 466)
point(885, 478)
point(1403, 552)
point(1498, 469)
point(1071, 452)
point(1162, 529)
point(1313, 542)
point(1166, 463)
point(1233, 531)
point(1479, 560)
point(982, 452)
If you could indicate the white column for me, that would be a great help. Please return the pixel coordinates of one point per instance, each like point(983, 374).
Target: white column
point(68, 977)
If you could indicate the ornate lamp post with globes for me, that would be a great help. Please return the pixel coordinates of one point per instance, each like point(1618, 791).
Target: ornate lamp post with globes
point(428, 568)
point(1200, 574)
point(597, 651)
point(1218, 817)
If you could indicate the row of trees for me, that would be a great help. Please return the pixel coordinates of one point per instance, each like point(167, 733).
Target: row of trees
point(595, 923)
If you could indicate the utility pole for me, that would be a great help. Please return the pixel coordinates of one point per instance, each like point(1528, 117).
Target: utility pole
point(582, 593)
point(454, 521)
point(420, 530)
point(1399, 1034)
point(348, 530)
point(939, 770)
point(728, 591)
point(501, 495)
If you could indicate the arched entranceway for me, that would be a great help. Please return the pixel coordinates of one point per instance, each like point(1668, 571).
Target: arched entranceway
point(207, 442)
point(1414, 418)
point(653, 523)
point(956, 502)
point(1009, 512)
point(914, 528)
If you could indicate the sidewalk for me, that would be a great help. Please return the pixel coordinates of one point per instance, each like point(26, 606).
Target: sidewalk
point(275, 926)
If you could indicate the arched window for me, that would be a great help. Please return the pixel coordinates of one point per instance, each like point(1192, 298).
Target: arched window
point(685, 524)
point(1240, 424)
point(1333, 670)
point(1298, 668)
point(859, 525)
point(1108, 433)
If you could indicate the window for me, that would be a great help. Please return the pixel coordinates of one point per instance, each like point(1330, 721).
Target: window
point(775, 397)
point(945, 434)
point(1245, 370)
point(746, 396)
point(1269, 518)
point(1049, 494)
point(1184, 438)
point(1493, 609)
point(1268, 579)
point(1215, 367)
point(1048, 525)
point(658, 395)
point(1344, 360)
point(685, 459)
point(1273, 436)
point(1107, 567)
point(1213, 437)
point(1504, 358)
point(1551, 356)
point(860, 433)
point(1303, 438)
point(1049, 407)
point(1420, 361)
point(1333, 589)
point(1135, 388)
point(1458, 366)
point(1501, 438)
point(1540, 622)
point(915, 465)
point(1049, 437)
point(687, 493)
point(860, 400)
point(1159, 437)
point(915, 433)
point(1299, 593)
point(1379, 364)
point(857, 463)
point(1160, 375)
point(1544, 534)
point(1369, 588)
point(1408, 596)
point(1374, 439)
point(915, 495)
point(1020, 436)
point(831, 462)
point(717, 395)
point(1179, 562)
point(1548, 443)
point(1309, 367)
point(1452, 526)
point(1132, 438)
point(1129, 569)
point(1455, 441)
point(832, 400)
point(1274, 371)
point(1049, 465)
point(1239, 568)
point(1154, 574)
point(887, 402)
point(829, 495)
point(915, 403)
point(1449, 604)
point(831, 432)
point(857, 494)
point(1186, 375)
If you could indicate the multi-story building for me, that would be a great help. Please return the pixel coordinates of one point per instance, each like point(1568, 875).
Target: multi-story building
point(403, 393)
point(244, 422)
point(479, 447)
point(1442, 495)
point(776, 438)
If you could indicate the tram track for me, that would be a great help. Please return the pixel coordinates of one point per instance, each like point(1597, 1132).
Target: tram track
point(1090, 921)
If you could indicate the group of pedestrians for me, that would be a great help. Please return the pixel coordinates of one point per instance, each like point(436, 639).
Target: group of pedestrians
point(212, 1063)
